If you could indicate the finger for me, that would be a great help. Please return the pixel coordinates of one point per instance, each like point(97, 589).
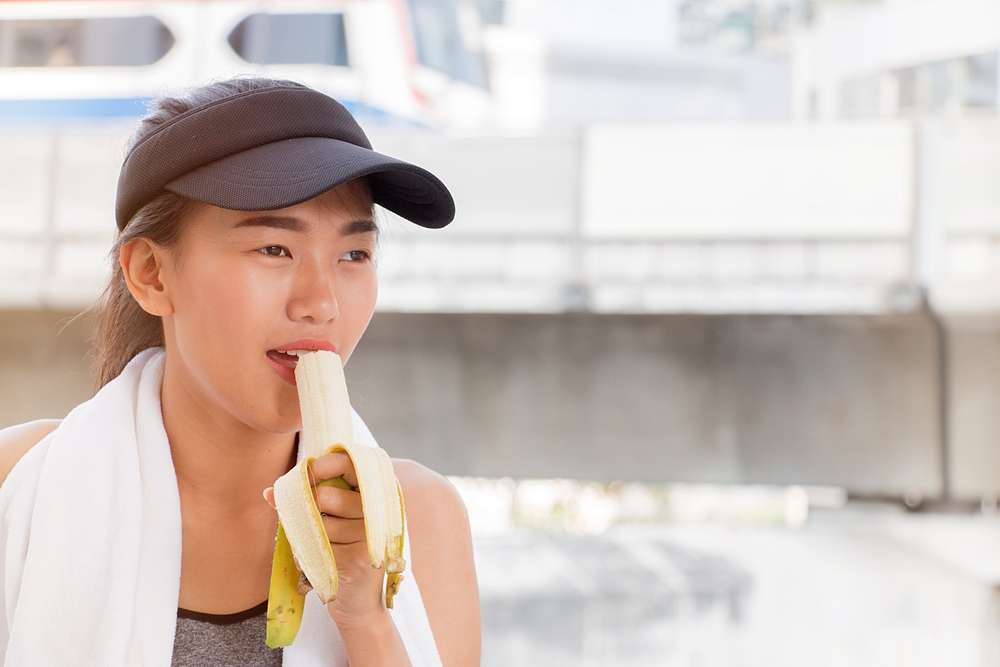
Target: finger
point(269, 496)
point(344, 531)
point(354, 555)
point(333, 465)
point(339, 502)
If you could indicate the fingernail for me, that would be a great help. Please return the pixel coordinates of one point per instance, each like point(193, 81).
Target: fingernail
point(264, 493)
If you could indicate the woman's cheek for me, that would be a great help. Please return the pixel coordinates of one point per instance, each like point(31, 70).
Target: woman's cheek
point(261, 295)
point(227, 300)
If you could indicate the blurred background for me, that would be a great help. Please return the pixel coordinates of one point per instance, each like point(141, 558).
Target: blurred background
point(712, 348)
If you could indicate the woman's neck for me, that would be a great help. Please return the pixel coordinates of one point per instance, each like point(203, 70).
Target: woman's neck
point(222, 464)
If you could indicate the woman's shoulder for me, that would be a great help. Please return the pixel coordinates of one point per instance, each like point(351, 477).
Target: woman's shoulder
point(416, 477)
point(442, 556)
point(432, 501)
point(15, 441)
point(435, 512)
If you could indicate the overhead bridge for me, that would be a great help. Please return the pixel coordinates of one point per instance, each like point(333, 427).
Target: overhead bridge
point(786, 304)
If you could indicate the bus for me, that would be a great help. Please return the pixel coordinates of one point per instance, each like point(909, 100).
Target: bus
point(408, 63)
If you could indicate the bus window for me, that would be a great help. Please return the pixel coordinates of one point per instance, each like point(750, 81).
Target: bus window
point(440, 46)
point(83, 42)
point(491, 12)
point(272, 39)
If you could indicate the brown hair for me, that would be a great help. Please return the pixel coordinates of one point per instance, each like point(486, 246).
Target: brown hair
point(123, 328)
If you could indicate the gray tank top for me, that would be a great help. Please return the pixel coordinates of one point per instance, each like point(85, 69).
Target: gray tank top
point(223, 640)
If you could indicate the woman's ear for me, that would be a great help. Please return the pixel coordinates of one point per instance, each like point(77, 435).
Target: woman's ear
point(142, 263)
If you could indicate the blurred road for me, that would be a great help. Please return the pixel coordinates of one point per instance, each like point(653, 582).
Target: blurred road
point(853, 587)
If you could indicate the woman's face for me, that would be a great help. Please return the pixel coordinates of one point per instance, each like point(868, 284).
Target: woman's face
point(247, 282)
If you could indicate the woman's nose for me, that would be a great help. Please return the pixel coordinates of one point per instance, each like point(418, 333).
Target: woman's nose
point(315, 297)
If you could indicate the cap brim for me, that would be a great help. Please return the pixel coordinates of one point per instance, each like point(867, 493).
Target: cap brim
point(290, 171)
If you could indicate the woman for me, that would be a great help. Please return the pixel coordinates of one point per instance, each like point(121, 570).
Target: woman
point(246, 226)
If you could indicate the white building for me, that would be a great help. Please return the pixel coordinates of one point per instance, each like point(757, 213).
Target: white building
point(898, 58)
point(565, 63)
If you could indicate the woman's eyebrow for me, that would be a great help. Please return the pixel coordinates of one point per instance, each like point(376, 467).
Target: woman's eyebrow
point(297, 225)
point(358, 227)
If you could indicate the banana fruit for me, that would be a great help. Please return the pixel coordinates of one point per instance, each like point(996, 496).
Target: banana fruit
point(303, 558)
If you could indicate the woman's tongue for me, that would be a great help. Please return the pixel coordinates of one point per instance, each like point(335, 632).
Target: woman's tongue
point(282, 358)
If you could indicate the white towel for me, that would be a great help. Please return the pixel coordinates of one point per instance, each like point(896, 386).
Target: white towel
point(90, 543)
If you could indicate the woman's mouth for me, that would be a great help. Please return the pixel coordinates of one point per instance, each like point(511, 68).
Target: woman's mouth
point(283, 358)
point(283, 364)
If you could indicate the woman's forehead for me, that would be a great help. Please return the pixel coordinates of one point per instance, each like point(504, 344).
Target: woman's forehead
point(294, 223)
point(352, 197)
point(337, 207)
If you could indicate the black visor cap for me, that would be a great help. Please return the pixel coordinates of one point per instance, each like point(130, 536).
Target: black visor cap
point(270, 148)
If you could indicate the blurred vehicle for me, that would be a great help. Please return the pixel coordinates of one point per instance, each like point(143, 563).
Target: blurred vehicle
point(391, 62)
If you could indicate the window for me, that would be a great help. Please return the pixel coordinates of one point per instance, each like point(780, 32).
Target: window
point(83, 42)
point(861, 97)
point(980, 81)
point(440, 44)
point(272, 39)
point(941, 85)
point(969, 82)
point(491, 12)
point(909, 98)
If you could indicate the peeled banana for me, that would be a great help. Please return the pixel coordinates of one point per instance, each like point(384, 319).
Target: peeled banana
point(303, 558)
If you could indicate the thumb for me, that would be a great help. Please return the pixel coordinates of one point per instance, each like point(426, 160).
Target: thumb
point(268, 494)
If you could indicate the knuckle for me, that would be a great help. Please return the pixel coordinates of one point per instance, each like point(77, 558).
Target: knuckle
point(335, 500)
point(344, 531)
point(334, 530)
point(328, 497)
point(330, 465)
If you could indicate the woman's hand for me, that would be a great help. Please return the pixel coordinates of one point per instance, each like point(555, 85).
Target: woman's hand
point(359, 597)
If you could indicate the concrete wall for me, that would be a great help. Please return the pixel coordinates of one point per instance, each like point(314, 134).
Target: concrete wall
point(837, 400)
point(975, 405)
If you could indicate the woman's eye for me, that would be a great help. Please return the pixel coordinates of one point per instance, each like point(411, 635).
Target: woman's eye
point(360, 255)
point(365, 255)
point(267, 254)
